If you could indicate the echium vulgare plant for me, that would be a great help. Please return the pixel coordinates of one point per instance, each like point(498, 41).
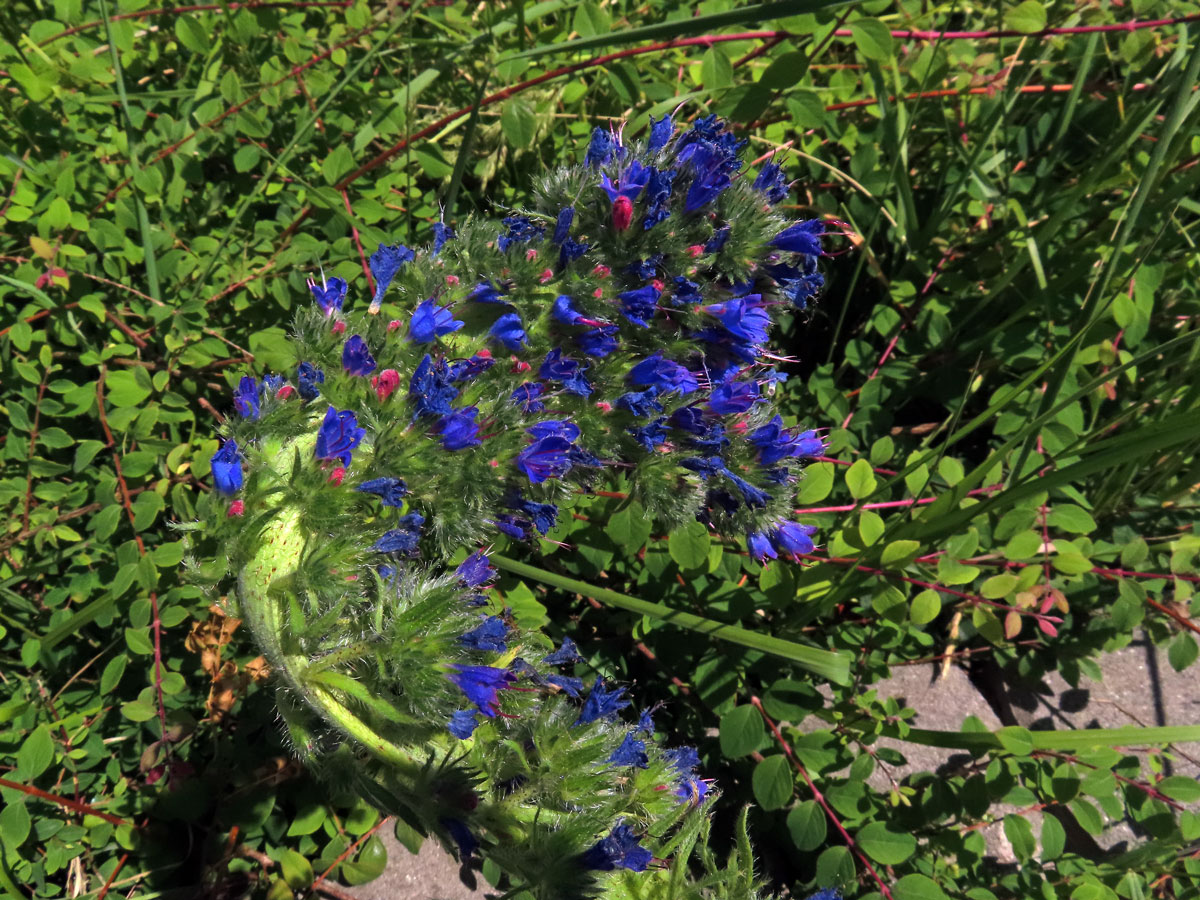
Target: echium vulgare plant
point(617, 330)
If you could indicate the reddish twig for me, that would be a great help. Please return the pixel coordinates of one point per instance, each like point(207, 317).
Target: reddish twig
point(1045, 32)
point(73, 805)
point(846, 462)
point(990, 90)
point(358, 243)
point(113, 877)
point(888, 504)
point(820, 798)
point(346, 853)
point(33, 435)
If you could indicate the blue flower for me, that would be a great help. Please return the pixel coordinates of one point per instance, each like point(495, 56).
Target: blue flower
point(645, 723)
point(632, 752)
point(685, 760)
point(547, 458)
point(664, 374)
point(459, 430)
point(356, 358)
point(645, 268)
point(801, 237)
point(430, 321)
point(430, 389)
point(686, 292)
point(462, 724)
point(704, 466)
point(639, 403)
point(826, 894)
point(339, 435)
point(798, 285)
point(509, 331)
point(733, 397)
point(466, 369)
point(776, 442)
point(569, 685)
point(658, 194)
point(227, 468)
point(564, 311)
point(601, 703)
point(771, 181)
point(660, 133)
point(481, 685)
point(526, 396)
point(486, 292)
point(650, 436)
point(599, 342)
point(743, 317)
point(491, 636)
point(759, 546)
point(308, 377)
point(475, 570)
point(793, 539)
point(562, 225)
point(557, 427)
point(754, 497)
point(467, 844)
point(390, 491)
point(569, 372)
point(629, 184)
point(567, 654)
point(688, 419)
point(521, 230)
point(441, 234)
point(385, 263)
point(620, 850)
point(543, 516)
point(330, 295)
point(571, 250)
point(517, 529)
point(710, 176)
point(600, 148)
point(271, 384)
point(402, 539)
point(720, 237)
point(245, 398)
point(638, 306)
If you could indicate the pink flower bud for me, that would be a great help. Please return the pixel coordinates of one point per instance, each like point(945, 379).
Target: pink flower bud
point(530, 254)
point(546, 275)
point(658, 285)
point(519, 366)
point(601, 271)
point(286, 391)
point(484, 353)
point(695, 250)
point(604, 406)
point(622, 212)
point(236, 508)
point(451, 280)
point(339, 327)
point(386, 382)
point(336, 476)
point(598, 293)
point(393, 325)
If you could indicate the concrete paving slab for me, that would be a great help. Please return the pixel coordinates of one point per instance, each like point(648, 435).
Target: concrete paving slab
point(432, 874)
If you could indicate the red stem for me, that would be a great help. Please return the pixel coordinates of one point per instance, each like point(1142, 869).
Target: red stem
point(358, 243)
point(73, 805)
point(889, 504)
point(1045, 32)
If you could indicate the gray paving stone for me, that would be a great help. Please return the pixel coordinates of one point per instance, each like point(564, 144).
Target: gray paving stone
point(432, 874)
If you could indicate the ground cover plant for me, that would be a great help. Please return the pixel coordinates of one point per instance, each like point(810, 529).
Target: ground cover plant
point(1003, 354)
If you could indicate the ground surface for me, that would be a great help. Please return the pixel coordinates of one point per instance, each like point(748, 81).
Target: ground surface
point(1139, 688)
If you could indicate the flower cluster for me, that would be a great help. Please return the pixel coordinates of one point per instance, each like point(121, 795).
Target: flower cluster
point(618, 329)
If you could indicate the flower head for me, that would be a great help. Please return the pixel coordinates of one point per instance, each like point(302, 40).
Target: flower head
point(509, 331)
point(660, 133)
point(567, 654)
point(475, 570)
point(639, 306)
point(356, 358)
point(602, 703)
point(430, 321)
point(227, 468)
point(549, 457)
point(620, 850)
point(490, 635)
point(385, 263)
point(308, 380)
point(330, 294)
point(459, 430)
point(632, 752)
point(801, 237)
point(402, 539)
point(339, 435)
point(569, 372)
point(245, 398)
point(663, 374)
point(481, 685)
point(430, 389)
point(390, 491)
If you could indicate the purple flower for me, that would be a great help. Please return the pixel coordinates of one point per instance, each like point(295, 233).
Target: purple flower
point(652, 435)
point(801, 237)
point(771, 181)
point(658, 194)
point(775, 442)
point(601, 703)
point(466, 369)
point(441, 234)
point(430, 389)
point(482, 684)
point(564, 311)
point(430, 321)
point(562, 225)
point(547, 458)
point(330, 294)
point(600, 148)
point(599, 342)
point(521, 230)
point(663, 374)
point(733, 397)
point(467, 844)
point(517, 529)
point(754, 497)
point(759, 546)
point(557, 427)
point(402, 539)
point(526, 396)
point(709, 164)
point(567, 654)
point(385, 263)
point(645, 724)
point(571, 250)
point(569, 685)
point(720, 237)
point(639, 306)
point(390, 491)
point(792, 539)
point(567, 371)
point(639, 403)
point(339, 435)
point(459, 430)
point(308, 377)
point(620, 850)
point(543, 516)
point(509, 331)
point(629, 184)
point(245, 398)
point(685, 760)
point(490, 636)
point(462, 724)
point(660, 133)
point(743, 318)
point(486, 292)
point(475, 570)
point(271, 384)
point(632, 752)
point(227, 468)
point(356, 358)
point(689, 419)
point(798, 285)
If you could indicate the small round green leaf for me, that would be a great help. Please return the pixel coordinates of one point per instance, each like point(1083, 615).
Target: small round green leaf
point(807, 825)
point(772, 782)
point(884, 846)
point(741, 731)
point(1026, 17)
point(860, 479)
point(872, 38)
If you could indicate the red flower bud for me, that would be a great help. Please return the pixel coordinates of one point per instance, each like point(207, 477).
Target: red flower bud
point(386, 382)
point(622, 212)
point(286, 391)
point(452, 280)
point(339, 327)
point(336, 476)
point(393, 325)
point(695, 250)
point(601, 271)
point(236, 508)
point(530, 254)
point(547, 275)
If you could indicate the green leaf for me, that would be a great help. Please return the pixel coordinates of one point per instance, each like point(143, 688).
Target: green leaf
point(860, 479)
point(716, 71)
point(297, 871)
point(899, 551)
point(835, 867)
point(1054, 837)
point(807, 825)
point(742, 731)
point(1026, 17)
point(113, 670)
point(872, 38)
point(917, 887)
point(35, 754)
point(1020, 834)
point(14, 824)
point(169, 555)
point(338, 163)
point(1016, 740)
point(1074, 519)
point(138, 640)
point(772, 782)
point(925, 607)
point(1180, 787)
point(192, 35)
point(128, 387)
point(816, 484)
point(519, 123)
point(884, 846)
point(629, 527)
point(246, 158)
point(1182, 651)
point(688, 545)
